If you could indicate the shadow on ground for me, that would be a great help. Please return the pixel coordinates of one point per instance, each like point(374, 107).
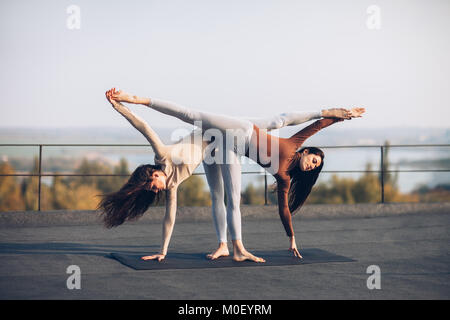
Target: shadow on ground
point(70, 248)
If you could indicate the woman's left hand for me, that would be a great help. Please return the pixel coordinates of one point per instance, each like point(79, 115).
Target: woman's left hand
point(293, 248)
point(357, 112)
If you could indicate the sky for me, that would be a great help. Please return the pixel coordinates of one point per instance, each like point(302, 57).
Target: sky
point(241, 58)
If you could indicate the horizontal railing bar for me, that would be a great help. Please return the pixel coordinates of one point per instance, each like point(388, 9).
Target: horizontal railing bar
point(202, 173)
point(386, 171)
point(386, 146)
point(147, 145)
point(73, 145)
point(91, 174)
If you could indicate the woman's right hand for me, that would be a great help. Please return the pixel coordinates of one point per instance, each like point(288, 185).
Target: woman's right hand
point(108, 95)
point(121, 96)
point(158, 257)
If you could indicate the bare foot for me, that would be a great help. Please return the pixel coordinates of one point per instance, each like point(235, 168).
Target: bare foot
point(245, 255)
point(221, 251)
point(158, 257)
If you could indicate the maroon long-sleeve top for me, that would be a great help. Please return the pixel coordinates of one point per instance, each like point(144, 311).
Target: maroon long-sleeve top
point(287, 148)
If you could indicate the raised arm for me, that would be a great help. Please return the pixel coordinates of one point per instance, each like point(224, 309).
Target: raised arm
point(137, 122)
point(167, 107)
point(318, 125)
point(168, 224)
point(330, 116)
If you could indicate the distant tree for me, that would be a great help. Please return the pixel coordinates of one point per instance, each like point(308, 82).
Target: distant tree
point(73, 192)
point(10, 193)
point(252, 195)
point(336, 191)
point(61, 195)
point(105, 184)
point(84, 197)
point(192, 193)
point(121, 168)
point(93, 167)
point(30, 187)
point(30, 190)
point(389, 178)
point(439, 193)
point(367, 188)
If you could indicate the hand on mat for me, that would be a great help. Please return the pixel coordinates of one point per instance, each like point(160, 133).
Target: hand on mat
point(121, 96)
point(357, 112)
point(158, 257)
point(293, 248)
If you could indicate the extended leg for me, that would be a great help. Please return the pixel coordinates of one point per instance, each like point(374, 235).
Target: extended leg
point(285, 119)
point(208, 120)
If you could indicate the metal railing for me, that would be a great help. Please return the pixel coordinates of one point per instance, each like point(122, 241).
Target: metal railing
point(382, 171)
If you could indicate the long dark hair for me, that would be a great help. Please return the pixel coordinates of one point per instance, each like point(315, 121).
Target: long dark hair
point(132, 200)
point(302, 181)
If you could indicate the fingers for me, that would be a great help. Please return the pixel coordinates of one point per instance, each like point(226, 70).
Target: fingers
point(108, 95)
point(111, 94)
point(357, 112)
point(296, 253)
point(115, 94)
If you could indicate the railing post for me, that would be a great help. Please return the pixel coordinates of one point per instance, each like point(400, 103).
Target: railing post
point(265, 188)
point(40, 174)
point(382, 173)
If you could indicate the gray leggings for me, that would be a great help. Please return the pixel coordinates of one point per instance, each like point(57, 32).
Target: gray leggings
point(225, 178)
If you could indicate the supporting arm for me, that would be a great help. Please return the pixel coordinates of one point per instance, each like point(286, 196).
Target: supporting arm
point(168, 224)
point(169, 219)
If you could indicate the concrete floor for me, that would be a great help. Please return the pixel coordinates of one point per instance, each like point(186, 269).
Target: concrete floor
point(411, 250)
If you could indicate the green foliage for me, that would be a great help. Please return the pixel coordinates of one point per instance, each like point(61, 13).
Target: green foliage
point(252, 195)
point(10, 193)
point(192, 193)
point(82, 192)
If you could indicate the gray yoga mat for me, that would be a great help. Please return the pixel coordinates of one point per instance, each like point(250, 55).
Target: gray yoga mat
point(199, 260)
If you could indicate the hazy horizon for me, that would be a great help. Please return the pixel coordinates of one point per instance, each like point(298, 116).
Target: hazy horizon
point(245, 59)
point(127, 134)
